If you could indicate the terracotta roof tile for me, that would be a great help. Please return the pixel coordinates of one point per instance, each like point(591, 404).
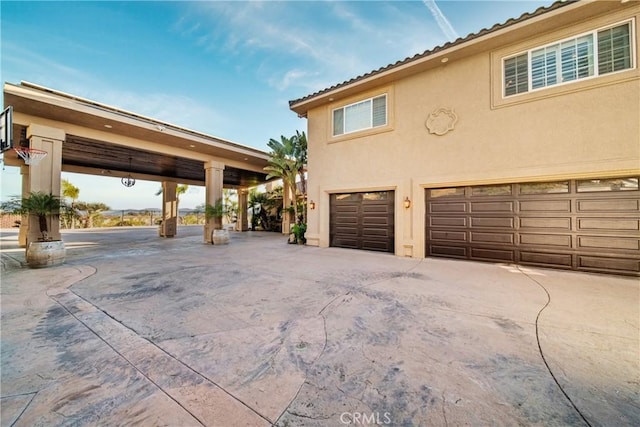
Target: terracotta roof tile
point(458, 41)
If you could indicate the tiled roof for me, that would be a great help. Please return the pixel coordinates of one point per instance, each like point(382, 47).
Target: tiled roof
point(459, 41)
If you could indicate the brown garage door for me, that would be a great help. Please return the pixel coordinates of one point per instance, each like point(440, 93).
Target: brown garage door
point(362, 221)
point(589, 225)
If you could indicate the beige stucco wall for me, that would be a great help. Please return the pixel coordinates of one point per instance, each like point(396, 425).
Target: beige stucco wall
point(589, 128)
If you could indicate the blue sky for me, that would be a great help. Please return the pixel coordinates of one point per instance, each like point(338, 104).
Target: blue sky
point(224, 68)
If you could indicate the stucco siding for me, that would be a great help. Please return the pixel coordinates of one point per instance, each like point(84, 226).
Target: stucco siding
point(588, 128)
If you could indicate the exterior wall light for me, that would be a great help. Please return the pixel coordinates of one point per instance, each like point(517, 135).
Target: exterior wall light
point(312, 205)
point(407, 203)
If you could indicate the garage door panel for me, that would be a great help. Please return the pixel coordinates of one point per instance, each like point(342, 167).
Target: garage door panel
point(448, 251)
point(488, 254)
point(375, 210)
point(456, 236)
point(375, 232)
point(546, 259)
point(546, 240)
point(603, 242)
point(378, 221)
point(541, 222)
point(609, 224)
point(375, 245)
point(608, 205)
point(347, 209)
point(343, 242)
point(506, 222)
point(440, 221)
point(448, 207)
point(492, 206)
point(603, 263)
point(347, 230)
point(504, 238)
point(346, 221)
point(545, 205)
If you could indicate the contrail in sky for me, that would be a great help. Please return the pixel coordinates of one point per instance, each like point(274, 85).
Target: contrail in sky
point(442, 20)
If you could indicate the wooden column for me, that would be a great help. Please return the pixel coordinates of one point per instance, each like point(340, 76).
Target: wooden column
point(214, 176)
point(169, 225)
point(43, 177)
point(243, 218)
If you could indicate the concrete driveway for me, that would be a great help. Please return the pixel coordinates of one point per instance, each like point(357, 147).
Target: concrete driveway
point(137, 330)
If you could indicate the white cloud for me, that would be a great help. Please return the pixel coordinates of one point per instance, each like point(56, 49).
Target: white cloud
point(310, 48)
point(289, 78)
point(442, 20)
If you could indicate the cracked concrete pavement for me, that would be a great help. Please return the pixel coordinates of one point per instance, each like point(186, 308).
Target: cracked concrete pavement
point(138, 330)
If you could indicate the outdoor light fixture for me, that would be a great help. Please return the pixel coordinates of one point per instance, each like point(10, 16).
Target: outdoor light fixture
point(312, 205)
point(128, 181)
point(407, 203)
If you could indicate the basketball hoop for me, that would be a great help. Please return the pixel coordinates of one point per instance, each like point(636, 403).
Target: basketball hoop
point(31, 156)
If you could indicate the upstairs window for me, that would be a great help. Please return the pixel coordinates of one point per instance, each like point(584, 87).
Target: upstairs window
point(516, 75)
point(614, 49)
point(587, 55)
point(367, 114)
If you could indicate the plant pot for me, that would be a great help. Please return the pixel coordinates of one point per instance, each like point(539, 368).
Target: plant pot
point(45, 254)
point(220, 237)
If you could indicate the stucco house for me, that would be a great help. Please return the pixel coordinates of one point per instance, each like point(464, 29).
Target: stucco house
point(519, 143)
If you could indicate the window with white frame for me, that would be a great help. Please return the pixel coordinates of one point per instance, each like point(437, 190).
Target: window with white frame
point(593, 54)
point(367, 114)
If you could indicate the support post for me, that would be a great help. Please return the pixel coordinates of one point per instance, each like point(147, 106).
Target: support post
point(43, 177)
point(214, 177)
point(24, 219)
point(169, 225)
point(243, 220)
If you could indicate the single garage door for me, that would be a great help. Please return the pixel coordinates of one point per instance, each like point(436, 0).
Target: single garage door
point(588, 225)
point(363, 221)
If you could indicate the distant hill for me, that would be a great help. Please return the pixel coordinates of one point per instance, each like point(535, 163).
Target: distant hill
point(154, 211)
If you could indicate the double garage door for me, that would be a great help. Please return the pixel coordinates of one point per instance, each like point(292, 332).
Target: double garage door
point(588, 225)
point(362, 221)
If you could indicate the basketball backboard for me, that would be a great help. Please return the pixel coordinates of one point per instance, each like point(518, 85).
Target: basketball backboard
point(6, 129)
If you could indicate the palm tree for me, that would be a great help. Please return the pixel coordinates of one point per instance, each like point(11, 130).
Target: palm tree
point(180, 190)
point(93, 210)
point(301, 155)
point(256, 200)
point(230, 203)
point(72, 192)
point(283, 164)
point(43, 205)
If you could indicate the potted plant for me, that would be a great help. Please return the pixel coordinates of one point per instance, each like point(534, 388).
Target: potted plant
point(45, 251)
point(298, 231)
point(219, 236)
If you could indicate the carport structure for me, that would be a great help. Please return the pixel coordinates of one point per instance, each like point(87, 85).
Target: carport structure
point(87, 137)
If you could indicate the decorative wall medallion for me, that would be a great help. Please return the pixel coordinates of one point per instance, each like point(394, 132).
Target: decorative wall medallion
point(441, 121)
